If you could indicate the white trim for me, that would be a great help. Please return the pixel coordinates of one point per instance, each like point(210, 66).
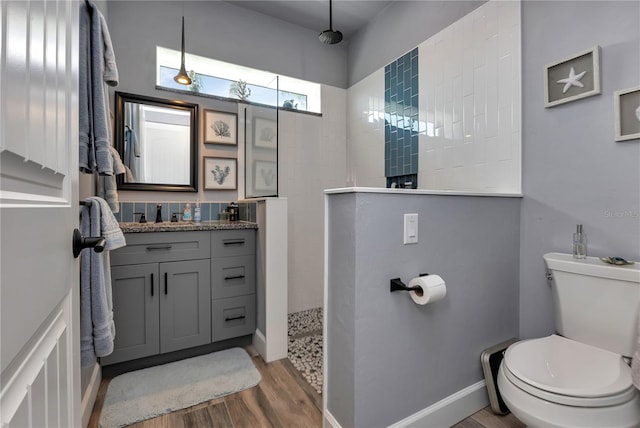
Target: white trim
point(260, 342)
point(89, 397)
point(450, 410)
point(419, 192)
point(18, 379)
point(328, 421)
point(325, 305)
point(271, 258)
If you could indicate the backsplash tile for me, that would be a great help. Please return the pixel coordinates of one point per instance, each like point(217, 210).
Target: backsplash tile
point(401, 120)
point(208, 210)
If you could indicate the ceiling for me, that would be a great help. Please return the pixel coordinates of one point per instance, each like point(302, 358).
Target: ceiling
point(348, 15)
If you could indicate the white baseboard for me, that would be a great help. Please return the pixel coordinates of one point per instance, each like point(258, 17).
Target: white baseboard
point(260, 342)
point(445, 413)
point(450, 410)
point(89, 397)
point(328, 421)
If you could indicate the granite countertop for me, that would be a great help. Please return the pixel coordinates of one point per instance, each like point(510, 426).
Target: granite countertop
point(181, 226)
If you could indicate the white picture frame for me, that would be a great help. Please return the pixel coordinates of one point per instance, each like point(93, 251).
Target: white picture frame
point(219, 127)
point(219, 173)
point(627, 110)
point(572, 78)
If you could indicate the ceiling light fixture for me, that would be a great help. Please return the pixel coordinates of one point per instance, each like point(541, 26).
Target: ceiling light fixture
point(329, 36)
point(182, 77)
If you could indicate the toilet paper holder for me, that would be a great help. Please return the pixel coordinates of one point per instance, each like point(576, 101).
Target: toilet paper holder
point(396, 284)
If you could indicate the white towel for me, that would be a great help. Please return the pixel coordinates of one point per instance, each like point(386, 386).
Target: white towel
point(635, 361)
point(97, 330)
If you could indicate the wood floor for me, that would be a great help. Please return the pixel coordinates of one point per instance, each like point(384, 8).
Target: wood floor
point(282, 399)
point(485, 418)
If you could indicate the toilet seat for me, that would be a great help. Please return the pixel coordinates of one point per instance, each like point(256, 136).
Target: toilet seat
point(560, 370)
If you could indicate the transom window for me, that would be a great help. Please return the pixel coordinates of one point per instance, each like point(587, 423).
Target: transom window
point(226, 80)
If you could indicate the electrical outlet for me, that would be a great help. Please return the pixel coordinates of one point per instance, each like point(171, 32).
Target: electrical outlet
point(411, 229)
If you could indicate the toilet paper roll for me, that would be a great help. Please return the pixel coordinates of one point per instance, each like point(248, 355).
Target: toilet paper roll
point(432, 288)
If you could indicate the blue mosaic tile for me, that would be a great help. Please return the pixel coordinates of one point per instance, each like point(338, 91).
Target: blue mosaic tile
point(118, 215)
point(174, 207)
point(401, 112)
point(215, 211)
point(127, 211)
point(205, 211)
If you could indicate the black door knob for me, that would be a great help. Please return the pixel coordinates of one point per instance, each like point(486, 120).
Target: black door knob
point(80, 243)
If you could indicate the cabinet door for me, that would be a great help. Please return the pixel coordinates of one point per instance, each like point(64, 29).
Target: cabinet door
point(185, 305)
point(135, 312)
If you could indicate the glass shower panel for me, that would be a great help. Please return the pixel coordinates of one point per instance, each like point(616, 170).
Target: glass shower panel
point(261, 151)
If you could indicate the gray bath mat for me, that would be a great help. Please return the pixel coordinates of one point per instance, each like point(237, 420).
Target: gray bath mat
point(151, 392)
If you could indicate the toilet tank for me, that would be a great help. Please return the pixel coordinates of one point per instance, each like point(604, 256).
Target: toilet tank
point(594, 302)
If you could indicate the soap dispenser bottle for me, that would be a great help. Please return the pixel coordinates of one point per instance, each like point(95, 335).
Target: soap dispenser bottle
point(158, 214)
point(197, 213)
point(186, 216)
point(579, 244)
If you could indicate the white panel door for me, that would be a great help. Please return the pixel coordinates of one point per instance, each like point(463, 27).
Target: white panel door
point(39, 294)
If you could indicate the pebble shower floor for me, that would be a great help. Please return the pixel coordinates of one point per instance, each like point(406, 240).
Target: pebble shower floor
point(305, 345)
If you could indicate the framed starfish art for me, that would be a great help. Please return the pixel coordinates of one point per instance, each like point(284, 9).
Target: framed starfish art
point(572, 78)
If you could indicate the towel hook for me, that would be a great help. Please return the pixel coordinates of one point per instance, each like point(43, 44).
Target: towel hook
point(80, 242)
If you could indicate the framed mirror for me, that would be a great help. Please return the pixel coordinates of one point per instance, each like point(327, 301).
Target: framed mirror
point(157, 141)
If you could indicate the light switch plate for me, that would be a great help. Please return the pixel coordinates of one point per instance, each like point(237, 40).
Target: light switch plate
point(411, 229)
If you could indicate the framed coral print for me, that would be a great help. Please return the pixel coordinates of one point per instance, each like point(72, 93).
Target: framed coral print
point(572, 78)
point(265, 133)
point(220, 173)
point(627, 108)
point(266, 176)
point(220, 127)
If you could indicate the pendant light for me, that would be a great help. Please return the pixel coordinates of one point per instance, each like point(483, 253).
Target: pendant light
point(182, 77)
point(329, 36)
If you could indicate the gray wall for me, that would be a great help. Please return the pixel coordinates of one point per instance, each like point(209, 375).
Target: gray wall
point(218, 30)
point(402, 357)
point(573, 171)
point(341, 303)
point(400, 27)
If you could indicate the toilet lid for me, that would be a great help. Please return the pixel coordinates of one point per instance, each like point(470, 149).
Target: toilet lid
point(564, 366)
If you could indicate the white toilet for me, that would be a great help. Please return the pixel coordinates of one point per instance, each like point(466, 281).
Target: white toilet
point(580, 377)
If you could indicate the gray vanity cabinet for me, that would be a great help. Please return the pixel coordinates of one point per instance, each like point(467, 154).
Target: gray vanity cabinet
point(233, 283)
point(161, 294)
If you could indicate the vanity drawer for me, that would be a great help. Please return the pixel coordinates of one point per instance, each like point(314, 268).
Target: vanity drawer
point(233, 317)
point(162, 247)
point(227, 243)
point(233, 276)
